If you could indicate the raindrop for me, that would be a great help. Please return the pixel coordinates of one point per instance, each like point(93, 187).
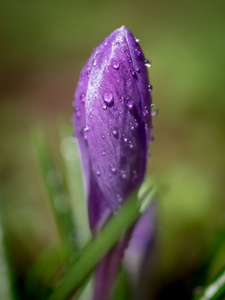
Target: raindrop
point(123, 174)
point(132, 72)
point(82, 97)
point(134, 175)
point(150, 87)
point(77, 112)
point(88, 72)
point(115, 132)
point(125, 139)
point(115, 64)
point(105, 43)
point(108, 98)
point(132, 126)
point(118, 43)
point(103, 136)
point(104, 106)
point(128, 102)
point(103, 151)
point(154, 110)
point(137, 52)
point(94, 62)
point(131, 145)
point(136, 123)
point(151, 139)
point(136, 39)
point(145, 113)
point(148, 64)
point(113, 168)
point(119, 198)
point(137, 69)
point(97, 172)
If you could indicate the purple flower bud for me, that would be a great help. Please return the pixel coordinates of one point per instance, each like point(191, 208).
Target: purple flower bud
point(113, 122)
point(112, 116)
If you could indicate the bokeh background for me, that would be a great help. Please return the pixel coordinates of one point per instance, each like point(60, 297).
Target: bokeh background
point(44, 45)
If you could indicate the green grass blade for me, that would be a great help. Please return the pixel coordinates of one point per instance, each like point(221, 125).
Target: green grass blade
point(215, 289)
point(97, 248)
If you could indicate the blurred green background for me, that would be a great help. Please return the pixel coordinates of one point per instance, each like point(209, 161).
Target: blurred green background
point(44, 45)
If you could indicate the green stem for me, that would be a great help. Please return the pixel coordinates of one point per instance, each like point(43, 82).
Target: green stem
point(96, 249)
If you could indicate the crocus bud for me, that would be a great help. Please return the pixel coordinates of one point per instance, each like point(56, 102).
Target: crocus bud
point(113, 122)
point(112, 116)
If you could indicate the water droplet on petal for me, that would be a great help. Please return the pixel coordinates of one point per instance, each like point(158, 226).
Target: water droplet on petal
point(147, 63)
point(125, 139)
point(104, 106)
point(154, 110)
point(151, 139)
point(137, 69)
point(115, 64)
point(150, 87)
point(94, 62)
point(103, 151)
point(105, 43)
point(113, 168)
point(132, 126)
point(88, 73)
point(132, 72)
point(131, 145)
point(77, 112)
point(108, 98)
point(83, 97)
point(145, 113)
point(134, 176)
point(128, 102)
point(136, 39)
point(137, 52)
point(119, 198)
point(118, 43)
point(123, 174)
point(97, 172)
point(103, 136)
point(115, 132)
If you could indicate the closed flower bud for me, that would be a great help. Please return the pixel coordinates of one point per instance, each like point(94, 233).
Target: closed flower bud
point(113, 121)
point(112, 116)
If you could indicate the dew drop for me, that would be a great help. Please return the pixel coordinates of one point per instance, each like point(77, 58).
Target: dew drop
point(131, 145)
point(105, 43)
point(137, 52)
point(83, 97)
point(145, 113)
point(134, 175)
point(118, 43)
point(113, 168)
point(125, 139)
point(103, 151)
point(136, 39)
point(150, 87)
point(97, 172)
point(128, 102)
point(115, 132)
point(132, 126)
point(104, 106)
point(77, 112)
point(108, 98)
point(88, 73)
point(132, 72)
point(119, 198)
point(103, 136)
point(151, 139)
point(94, 62)
point(148, 64)
point(154, 110)
point(123, 174)
point(115, 64)
point(137, 69)
point(136, 123)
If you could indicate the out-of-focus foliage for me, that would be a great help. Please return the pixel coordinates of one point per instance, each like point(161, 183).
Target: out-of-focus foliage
point(44, 44)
